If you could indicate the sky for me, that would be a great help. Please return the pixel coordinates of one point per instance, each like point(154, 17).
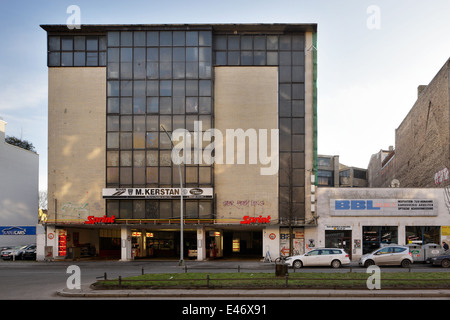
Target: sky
point(372, 56)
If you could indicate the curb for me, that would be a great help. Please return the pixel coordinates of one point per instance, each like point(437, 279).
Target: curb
point(220, 293)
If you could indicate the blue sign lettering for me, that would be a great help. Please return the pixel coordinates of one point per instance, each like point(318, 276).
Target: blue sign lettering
point(342, 205)
point(354, 205)
point(358, 205)
point(17, 231)
point(370, 205)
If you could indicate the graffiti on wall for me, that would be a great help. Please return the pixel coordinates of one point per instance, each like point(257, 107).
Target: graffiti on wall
point(441, 176)
point(244, 203)
point(75, 210)
point(236, 208)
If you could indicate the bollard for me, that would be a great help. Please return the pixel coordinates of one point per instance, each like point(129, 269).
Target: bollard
point(287, 279)
point(239, 268)
point(106, 276)
point(142, 271)
point(207, 280)
point(120, 281)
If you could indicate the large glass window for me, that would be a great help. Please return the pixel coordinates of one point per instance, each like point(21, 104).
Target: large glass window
point(155, 78)
point(325, 178)
point(324, 162)
point(375, 236)
point(159, 209)
point(422, 235)
point(77, 51)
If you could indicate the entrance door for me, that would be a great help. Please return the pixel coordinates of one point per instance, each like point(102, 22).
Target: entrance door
point(341, 239)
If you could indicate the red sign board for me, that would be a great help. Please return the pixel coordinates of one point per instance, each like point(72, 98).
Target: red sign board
point(95, 220)
point(260, 219)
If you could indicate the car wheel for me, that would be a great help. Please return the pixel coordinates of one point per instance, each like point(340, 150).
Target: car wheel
point(445, 263)
point(335, 264)
point(369, 263)
point(406, 263)
point(297, 264)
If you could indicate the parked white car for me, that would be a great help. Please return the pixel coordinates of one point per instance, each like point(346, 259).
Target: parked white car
point(320, 257)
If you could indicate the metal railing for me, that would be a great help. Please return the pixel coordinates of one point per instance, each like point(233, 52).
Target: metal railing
point(285, 281)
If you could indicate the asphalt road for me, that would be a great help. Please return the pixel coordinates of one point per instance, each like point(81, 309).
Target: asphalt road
point(41, 280)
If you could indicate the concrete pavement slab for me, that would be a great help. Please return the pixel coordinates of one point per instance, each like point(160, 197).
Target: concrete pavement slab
point(87, 292)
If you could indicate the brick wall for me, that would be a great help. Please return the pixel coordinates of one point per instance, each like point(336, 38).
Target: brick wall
point(422, 139)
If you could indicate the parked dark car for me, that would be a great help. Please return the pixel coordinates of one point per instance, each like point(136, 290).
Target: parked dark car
point(29, 252)
point(20, 252)
point(443, 260)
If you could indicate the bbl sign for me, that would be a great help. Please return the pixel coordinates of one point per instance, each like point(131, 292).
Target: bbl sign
point(383, 207)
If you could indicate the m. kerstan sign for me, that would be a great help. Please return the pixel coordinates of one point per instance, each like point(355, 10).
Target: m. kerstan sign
point(383, 207)
point(157, 193)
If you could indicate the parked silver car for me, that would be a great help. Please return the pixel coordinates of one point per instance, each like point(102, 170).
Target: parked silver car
point(390, 255)
point(19, 252)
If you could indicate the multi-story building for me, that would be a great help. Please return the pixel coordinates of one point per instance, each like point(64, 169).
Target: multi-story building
point(19, 184)
point(422, 141)
point(238, 102)
point(332, 173)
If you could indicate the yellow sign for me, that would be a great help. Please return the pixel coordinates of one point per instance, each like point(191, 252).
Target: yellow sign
point(445, 231)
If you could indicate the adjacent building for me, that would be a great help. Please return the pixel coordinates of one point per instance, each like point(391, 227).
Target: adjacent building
point(19, 205)
point(227, 110)
point(361, 220)
point(332, 173)
point(421, 157)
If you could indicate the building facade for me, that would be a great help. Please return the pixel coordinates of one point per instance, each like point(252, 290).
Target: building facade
point(421, 158)
point(19, 193)
point(228, 111)
point(381, 169)
point(331, 173)
point(361, 220)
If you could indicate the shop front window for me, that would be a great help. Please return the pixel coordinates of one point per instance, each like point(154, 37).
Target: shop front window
point(374, 237)
point(422, 235)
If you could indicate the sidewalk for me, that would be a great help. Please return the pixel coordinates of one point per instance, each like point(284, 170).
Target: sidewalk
point(87, 292)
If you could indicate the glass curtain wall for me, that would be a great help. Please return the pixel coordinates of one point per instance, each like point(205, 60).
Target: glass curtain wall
point(154, 78)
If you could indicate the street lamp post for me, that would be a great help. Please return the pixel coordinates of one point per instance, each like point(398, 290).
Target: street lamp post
point(181, 263)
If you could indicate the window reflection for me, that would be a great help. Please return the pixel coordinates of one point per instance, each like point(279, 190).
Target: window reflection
point(78, 51)
point(163, 76)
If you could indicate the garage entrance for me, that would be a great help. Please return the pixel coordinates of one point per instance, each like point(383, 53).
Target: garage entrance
point(242, 244)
